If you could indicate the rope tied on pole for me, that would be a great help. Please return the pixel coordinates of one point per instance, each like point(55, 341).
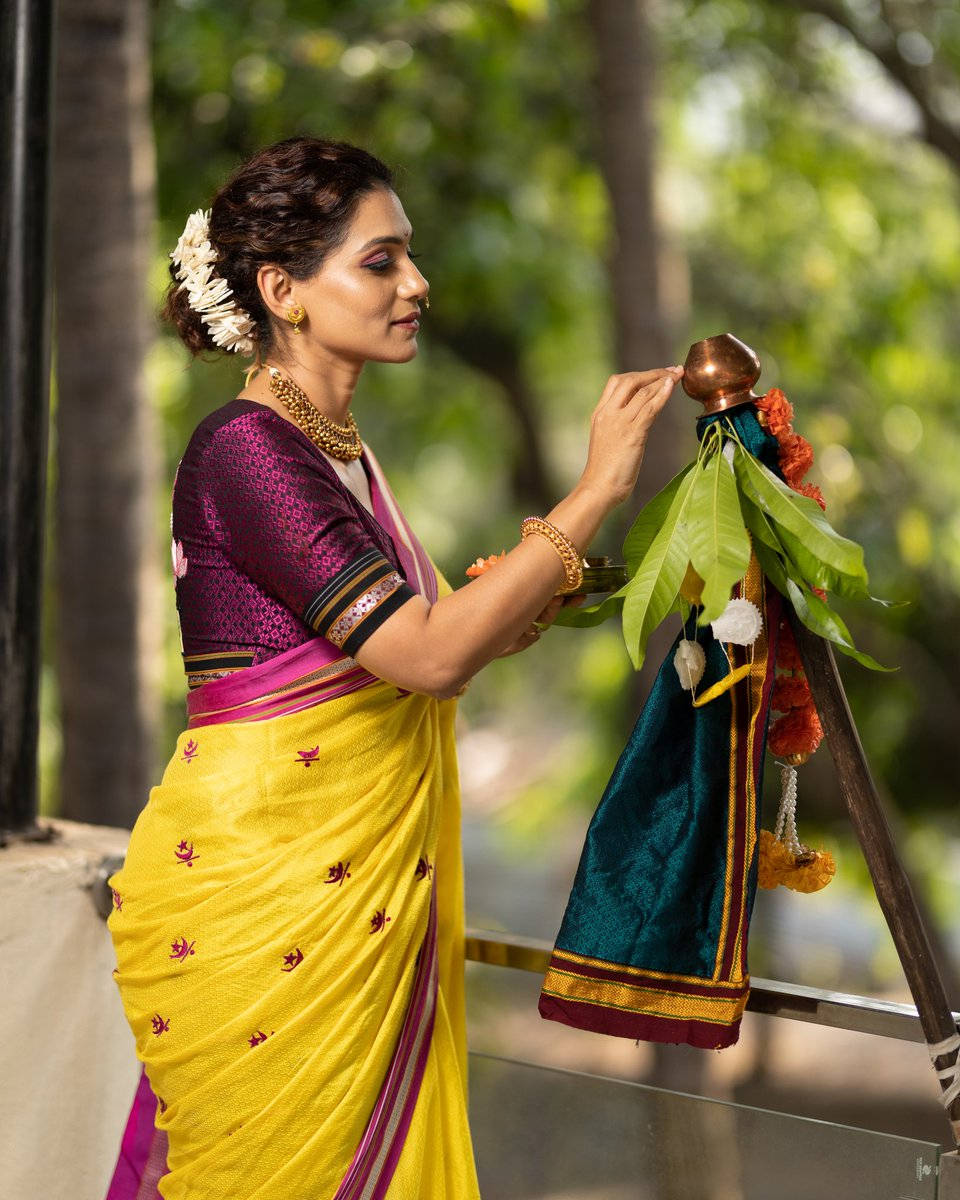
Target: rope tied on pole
point(937, 1050)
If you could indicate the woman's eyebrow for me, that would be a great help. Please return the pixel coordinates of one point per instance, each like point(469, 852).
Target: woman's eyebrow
point(387, 238)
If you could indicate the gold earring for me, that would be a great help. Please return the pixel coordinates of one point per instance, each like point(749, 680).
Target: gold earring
point(295, 315)
point(426, 302)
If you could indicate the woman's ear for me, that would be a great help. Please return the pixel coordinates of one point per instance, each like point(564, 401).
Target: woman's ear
point(276, 289)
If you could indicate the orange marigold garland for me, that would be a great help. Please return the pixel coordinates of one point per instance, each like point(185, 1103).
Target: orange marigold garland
point(796, 734)
point(484, 564)
point(775, 412)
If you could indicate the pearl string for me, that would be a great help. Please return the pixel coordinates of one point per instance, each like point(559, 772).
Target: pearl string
point(786, 827)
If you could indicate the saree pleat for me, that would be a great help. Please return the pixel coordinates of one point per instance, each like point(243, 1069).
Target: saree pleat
point(271, 926)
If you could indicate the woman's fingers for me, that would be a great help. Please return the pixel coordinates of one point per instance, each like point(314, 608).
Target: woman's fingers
point(620, 389)
point(650, 400)
point(619, 426)
point(554, 604)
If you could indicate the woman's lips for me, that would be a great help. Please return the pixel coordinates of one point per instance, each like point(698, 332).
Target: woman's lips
point(413, 323)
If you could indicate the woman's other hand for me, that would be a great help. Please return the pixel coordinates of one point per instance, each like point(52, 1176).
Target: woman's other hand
point(619, 427)
point(545, 618)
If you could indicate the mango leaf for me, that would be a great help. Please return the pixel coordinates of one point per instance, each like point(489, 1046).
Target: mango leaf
point(758, 526)
point(653, 589)
point(788, 562)
point(647, 525)
point(820, 618)
point(719, 546)
point(800, 516)
point(816, 573)
point(648, 522)
point(766, 545)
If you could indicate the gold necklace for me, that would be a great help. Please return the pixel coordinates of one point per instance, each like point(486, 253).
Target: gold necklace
point(340, 441)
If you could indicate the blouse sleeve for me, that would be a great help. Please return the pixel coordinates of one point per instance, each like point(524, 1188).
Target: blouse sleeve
point(290, 528)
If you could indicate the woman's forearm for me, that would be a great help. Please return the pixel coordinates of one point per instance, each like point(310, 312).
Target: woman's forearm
point(470, 627)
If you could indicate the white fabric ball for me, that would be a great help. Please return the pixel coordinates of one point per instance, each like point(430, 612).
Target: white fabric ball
point(690, 663)
point(740, 622)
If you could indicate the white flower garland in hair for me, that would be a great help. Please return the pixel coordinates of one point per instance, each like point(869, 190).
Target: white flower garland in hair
point(210, 294)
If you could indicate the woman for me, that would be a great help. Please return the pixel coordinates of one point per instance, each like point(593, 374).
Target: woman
point(289, 920)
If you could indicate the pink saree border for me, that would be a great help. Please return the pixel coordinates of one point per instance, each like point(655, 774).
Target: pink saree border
point(143, 1150)
point(375, 1161)
point(308, 674)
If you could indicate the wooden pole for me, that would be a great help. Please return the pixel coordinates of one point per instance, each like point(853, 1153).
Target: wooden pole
point(876, 840)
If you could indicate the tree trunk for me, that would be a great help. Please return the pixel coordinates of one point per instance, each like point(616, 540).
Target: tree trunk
point(647, 307)
point(107, 448)
point(647, 273)
point(498, 356)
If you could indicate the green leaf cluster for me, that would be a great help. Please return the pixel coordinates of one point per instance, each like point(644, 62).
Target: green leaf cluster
point(710, 516)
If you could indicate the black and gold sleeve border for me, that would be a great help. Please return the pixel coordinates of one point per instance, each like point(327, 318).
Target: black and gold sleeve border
point(357, 600)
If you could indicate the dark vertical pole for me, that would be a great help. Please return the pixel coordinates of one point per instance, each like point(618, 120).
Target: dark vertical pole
point(880, 852)
point(26, 33)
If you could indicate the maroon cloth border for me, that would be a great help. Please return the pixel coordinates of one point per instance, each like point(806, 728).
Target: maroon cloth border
point(638, 1026)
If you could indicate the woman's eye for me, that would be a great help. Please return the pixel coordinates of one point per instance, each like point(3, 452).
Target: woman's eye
point(381, 264)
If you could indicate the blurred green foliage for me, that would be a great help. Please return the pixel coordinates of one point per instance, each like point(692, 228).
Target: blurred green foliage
point(801, 210)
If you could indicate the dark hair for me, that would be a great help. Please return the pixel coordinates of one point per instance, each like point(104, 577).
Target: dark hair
point(291, 204)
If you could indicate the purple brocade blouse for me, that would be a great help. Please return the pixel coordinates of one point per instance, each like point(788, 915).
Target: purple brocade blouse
point(271, 548)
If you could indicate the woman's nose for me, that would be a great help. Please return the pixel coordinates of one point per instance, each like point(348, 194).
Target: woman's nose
point(416, 282)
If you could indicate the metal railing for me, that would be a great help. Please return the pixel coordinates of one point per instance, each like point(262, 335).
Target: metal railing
point(838, 1010)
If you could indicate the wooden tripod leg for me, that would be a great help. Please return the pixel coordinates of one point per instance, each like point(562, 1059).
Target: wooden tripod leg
point(873, 832)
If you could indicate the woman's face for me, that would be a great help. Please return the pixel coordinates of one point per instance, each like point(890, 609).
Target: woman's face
point(364, 287)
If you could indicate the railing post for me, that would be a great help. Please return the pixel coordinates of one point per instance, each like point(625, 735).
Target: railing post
point(26, 52)
point(948, 1185)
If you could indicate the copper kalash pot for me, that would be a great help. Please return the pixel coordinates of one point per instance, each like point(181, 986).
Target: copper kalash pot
point(720, 372)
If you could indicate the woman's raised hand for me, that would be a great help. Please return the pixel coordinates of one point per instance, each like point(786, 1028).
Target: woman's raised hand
point(437, 648)
point(627, 409)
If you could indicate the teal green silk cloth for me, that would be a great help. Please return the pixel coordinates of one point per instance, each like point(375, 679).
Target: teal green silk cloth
point(653, 942)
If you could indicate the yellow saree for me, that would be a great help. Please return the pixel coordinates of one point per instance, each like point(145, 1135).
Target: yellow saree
point(288, 928)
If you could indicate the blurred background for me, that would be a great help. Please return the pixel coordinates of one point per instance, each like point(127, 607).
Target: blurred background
point(593, 185)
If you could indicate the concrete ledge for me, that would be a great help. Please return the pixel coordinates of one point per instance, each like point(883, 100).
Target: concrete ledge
point(67, 1057)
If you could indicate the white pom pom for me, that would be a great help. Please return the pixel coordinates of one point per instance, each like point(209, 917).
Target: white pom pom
point(740, 622)
point(690, 663)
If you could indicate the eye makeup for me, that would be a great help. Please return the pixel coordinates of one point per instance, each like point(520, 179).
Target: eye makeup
point(380, 264)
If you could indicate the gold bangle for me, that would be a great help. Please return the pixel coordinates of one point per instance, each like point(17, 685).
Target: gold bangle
point(569, 555)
